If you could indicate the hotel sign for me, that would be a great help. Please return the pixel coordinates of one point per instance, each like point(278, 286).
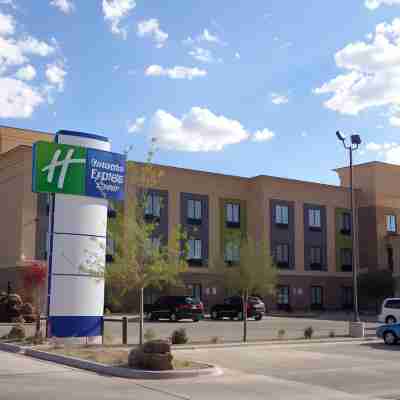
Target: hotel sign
point(62, 168)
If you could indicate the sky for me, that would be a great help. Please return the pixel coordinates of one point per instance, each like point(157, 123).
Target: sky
point(242, 88)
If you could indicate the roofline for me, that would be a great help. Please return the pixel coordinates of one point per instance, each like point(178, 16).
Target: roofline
point(367, 164)
point(26, 129)
point(244, 178)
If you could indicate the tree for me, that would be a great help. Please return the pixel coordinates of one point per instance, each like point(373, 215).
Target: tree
point(35, 275)
point(139, 260)
point(375, 286)
point(254, 273)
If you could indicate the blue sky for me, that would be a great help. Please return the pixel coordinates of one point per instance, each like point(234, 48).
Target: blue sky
point(244, 87)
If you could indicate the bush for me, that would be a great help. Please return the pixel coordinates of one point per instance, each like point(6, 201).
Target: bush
point(17, 332)
point(107, 311)
point(332, 334)
point(308, 332)
point(281, 334)
point(149, 334)
point(179, 336)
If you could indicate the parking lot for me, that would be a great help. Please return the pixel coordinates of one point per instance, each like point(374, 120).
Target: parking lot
point(231, 331)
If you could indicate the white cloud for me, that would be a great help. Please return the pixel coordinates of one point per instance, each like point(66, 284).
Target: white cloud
point(31, 45)
point(115, 11)
point(137, 126)
point(203, 55)
point(65, 6)
point(177, 72)
point(374, 4)
point(17, 99)
point(304, 134)
point(389, 151)
point(55, 74)
point(237, 56)
point(26, 73)
point(198, 130)
point(263, 136)
point(7, 24)
point(373, 74)
point(151, 29)
point(279, 99)
point(206, 36)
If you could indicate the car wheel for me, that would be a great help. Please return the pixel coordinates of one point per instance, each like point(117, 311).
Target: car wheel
point(214, 315)
point(391, 320)
point(196, 319)
point(173, 317)
point(258, 317)
point(390, 338)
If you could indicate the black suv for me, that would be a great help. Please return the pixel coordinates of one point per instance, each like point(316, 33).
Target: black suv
point(175, 308)
point(233, 308)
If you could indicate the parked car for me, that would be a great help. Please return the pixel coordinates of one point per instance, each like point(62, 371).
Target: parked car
point(390, 333)
point(175, 308)
point(233, 308)
point(390, 312)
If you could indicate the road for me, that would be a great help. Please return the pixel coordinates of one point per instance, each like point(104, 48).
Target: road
point(296, 372)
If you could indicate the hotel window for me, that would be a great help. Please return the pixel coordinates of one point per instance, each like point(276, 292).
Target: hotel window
point(153, 205)
point(314, 218)
point(347, 297)
point(316, 296)
point(194, 249)
point(346, 259)
point(346, 223)
point(315, 258)
point(281, 215)
point(232, 252)
point(194, 211)
point(232, 211)
point(391, 223)
point(282, 255)
point(390, 258)
point(283, 295)
point(110, 249)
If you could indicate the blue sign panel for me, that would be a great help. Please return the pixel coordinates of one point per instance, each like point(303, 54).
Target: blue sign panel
point(105, 174)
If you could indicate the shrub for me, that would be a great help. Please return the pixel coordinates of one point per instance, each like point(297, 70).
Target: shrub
point(308, 332)
point(107, 311)
point(149, 334)
point(281, 334)
point(179, 336)
point(17, 332)
point(332, 334)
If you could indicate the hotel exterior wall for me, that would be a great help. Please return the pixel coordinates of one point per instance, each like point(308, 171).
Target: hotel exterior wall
point(14, 137)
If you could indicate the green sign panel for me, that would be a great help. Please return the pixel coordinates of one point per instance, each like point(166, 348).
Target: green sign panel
point(59, 168)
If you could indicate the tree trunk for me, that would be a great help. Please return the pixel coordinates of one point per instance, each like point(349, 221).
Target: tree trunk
point(244, 313)
point(141, 316)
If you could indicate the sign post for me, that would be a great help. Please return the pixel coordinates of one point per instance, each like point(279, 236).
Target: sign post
point(81, 174)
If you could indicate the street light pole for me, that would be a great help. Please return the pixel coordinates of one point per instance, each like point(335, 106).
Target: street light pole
point(355, 142)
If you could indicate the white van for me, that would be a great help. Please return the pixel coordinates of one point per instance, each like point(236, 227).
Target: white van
point(390, 312)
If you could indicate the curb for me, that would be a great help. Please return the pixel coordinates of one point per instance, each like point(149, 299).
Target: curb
point(121, 372)
point(275, 343)
point(11, 348)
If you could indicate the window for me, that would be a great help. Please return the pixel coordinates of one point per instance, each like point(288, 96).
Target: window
point(152, 245)
point(282, 255)
point(314, 218)
point(153, 205)
point(315, 258)
point(347, 297)
point(194, 210)
point(346, 259)
point(316, 296)
point(194, 249)
point(197, 291)
point(283, 295)
point(390, 258)
point(346, 223)
point(232, 211)
point(232, 252)
point(391, 223)
point(392, 304)
point(281, 215)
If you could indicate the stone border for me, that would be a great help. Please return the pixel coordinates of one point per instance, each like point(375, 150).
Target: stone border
point(121, 372)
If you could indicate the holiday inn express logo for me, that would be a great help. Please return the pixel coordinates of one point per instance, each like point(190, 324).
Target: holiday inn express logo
point(62, 168)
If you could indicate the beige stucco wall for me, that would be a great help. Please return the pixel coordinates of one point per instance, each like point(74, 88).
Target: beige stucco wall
point(14, 137)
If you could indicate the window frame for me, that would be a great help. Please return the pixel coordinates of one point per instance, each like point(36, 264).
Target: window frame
point(233, 249)
point(195, 253)
point(314, 218)
point(194, 214)
point(281, 217)
point(346, 223)
point(315, 263)
point(285, 296)
point(390, 219)
point(232, 218)
point(282, 262)
point(153, 205)
point(346, 267)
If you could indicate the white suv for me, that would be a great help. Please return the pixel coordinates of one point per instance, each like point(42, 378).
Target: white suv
point(390, 313)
